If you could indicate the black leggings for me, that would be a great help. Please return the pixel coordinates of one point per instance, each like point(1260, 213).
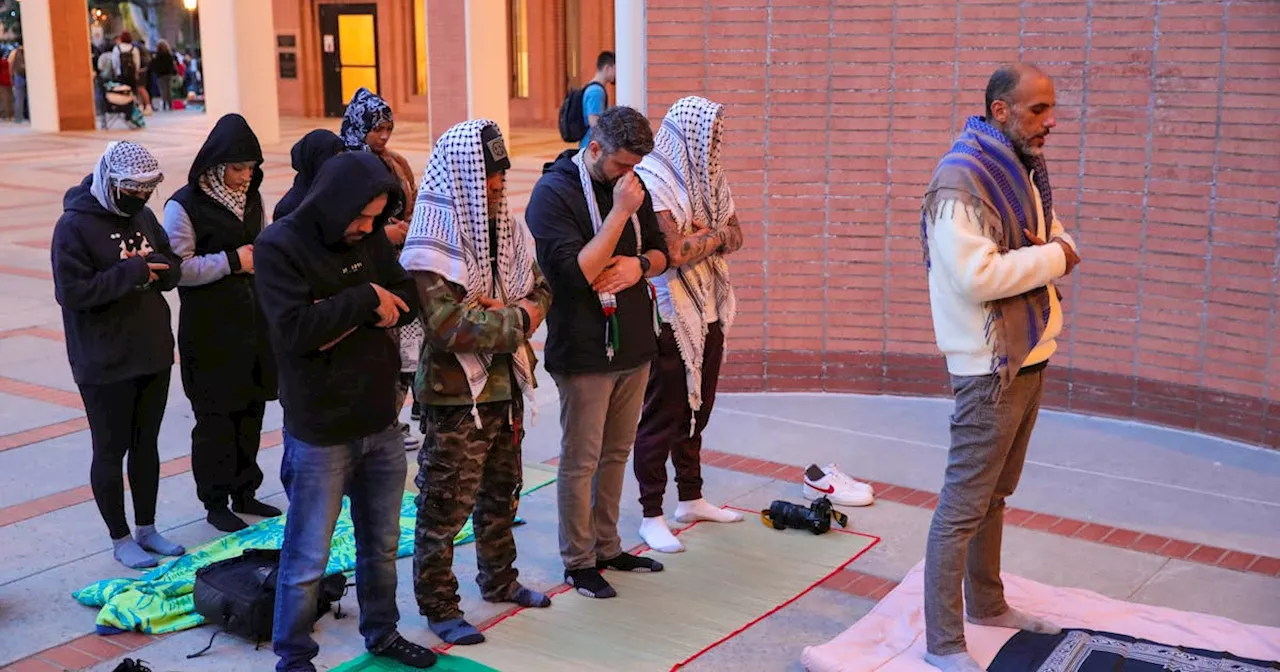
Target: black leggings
point(124, 418)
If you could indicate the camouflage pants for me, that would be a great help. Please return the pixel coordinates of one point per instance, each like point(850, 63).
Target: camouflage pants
point(467, 470)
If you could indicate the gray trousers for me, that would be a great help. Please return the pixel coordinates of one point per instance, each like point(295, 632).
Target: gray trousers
point(988, 447)
point(599, 413)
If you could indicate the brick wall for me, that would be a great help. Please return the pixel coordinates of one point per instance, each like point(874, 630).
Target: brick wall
point(1165, 165)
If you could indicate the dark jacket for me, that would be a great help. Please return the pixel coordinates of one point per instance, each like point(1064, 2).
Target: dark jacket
point(314, 288)
point(226, 358)
point(308, 155)
point(163, 65)
point(117, 326)
point(558, 218)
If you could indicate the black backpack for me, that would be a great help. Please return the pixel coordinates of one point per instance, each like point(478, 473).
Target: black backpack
point(128, 69)
point(573, 127)
point(239, 595)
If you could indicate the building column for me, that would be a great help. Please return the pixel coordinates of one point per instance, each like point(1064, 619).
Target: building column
point(629, 31)
point(55, 34)
point(468, 65)
point(238, 42)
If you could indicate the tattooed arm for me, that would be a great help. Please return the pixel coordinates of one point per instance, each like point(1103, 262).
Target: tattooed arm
point(731, 237)
point(689, 249)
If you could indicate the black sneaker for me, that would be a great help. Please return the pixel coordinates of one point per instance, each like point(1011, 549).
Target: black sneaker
point(589, 583)
point(408, 654)
point(625, 562)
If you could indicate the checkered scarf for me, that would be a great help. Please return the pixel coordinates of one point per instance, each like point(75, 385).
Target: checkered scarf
point(608, 301)
point(449, 236)
point(125, 165)
point(684, 176)
point(213, 184)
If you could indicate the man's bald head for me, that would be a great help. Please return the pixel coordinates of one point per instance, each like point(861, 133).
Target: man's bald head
point(1005, 81)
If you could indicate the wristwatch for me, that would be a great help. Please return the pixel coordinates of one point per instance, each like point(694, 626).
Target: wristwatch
point(645, 264)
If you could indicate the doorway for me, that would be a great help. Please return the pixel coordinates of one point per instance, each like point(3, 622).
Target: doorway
point(348, 53)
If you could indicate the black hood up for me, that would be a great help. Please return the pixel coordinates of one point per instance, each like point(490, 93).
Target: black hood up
point(346, 183)
point(230, 141)
point(310, 153)
point(80, 199)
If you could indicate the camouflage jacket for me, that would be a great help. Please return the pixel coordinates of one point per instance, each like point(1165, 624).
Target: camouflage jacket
point(452, 327)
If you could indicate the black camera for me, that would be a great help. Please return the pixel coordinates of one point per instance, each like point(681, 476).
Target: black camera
point(817, 518)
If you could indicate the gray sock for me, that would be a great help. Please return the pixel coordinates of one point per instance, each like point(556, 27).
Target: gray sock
point(956, 662)
point(130, 554)
point(456, 631)
point(150, 539)
point(1018, 620)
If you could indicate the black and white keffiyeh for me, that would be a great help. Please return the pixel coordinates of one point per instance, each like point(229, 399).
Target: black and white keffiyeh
point(449, 236)
point(684, 176)
point(213, 184)
point(125, 165)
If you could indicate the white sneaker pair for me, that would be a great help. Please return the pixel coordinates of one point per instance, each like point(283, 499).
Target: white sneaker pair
point(836, 486)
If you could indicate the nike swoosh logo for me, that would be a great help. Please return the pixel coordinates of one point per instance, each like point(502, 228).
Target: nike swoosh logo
point(829, 489)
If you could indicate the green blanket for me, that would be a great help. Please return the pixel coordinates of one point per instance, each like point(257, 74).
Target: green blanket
point(445, 663)
point(161, 601)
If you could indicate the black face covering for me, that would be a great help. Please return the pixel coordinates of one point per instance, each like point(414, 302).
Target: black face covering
point(130, 205)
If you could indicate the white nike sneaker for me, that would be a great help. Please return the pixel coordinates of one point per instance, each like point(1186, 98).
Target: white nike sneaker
point(836, 486)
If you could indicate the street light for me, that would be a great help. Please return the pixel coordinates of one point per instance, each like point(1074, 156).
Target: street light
point(190, 5)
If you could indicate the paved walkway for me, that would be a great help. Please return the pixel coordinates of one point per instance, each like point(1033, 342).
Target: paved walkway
point(1133, 512)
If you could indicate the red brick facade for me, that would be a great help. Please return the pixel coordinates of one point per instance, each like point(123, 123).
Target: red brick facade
point(1165, 164)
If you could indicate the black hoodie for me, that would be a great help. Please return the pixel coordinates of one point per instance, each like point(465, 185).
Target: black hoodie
point(313, 288)
point(558, 219)
point(308, 155)
point(226, 359)
point(117, 326)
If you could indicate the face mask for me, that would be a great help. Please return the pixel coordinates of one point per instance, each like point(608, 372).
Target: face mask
point(130, 205)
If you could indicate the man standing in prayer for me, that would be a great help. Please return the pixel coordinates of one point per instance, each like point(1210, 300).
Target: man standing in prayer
point(696, 302)
point(482, 296)
point(996, 314)
point(330, 287)
point(597, 240)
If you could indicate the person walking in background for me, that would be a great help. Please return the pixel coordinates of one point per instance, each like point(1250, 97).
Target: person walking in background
point(597, 240)
point(308, 155)
point(367, 126)
point(696, 301)
point(595, 97)
point(18, 70)
point(144, 76)
point(6, 90)
point(111, 262)
point(482, 298)
point(996, 314)
point(228, 371)
point(330, 286)
point(165, 69)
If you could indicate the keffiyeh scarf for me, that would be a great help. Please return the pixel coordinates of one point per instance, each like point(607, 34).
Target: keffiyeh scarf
point(609, 301)
point(213, 184)
point(983, 173)
point(365, 112)
point(125, 165)
point(684, 176)
point(449, 236)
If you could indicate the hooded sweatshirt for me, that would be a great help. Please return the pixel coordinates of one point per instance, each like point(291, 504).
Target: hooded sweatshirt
point(561, 226)
point(226, 360)
point(308, 155)
point(315, 289)
point(117, 326)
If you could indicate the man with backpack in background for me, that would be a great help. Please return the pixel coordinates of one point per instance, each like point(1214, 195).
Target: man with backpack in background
point(582, 107)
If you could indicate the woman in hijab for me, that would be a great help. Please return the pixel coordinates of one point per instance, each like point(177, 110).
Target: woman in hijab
point(367, 126)
point(228, 369)
point(308, 155)
point(111, 261)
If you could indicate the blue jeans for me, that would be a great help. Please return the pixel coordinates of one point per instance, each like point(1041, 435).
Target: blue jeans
point(372, 472)
point(20, 112)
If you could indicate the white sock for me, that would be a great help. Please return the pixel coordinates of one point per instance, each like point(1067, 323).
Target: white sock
point(1018, 620)
point(956, 662)
point(701, 509)
point(657, 535)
